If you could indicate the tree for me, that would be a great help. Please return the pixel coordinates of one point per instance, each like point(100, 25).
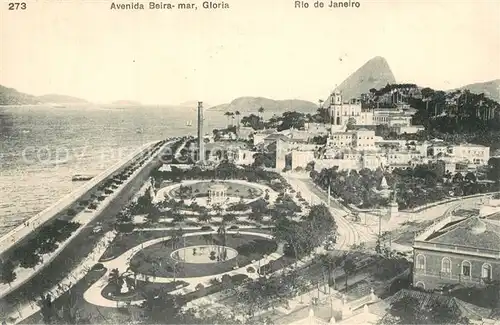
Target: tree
point(237, 113)
point(227, 115)
point(261, 111)
point(351, 122)
point(115, 279)
point(330, 263)
point(253, 121)
point(410, 310)
point(470, 177)
point(349, 267)
point(7, 274)
point(159, 306)
point(29, 259)
point(494, 169)
point(66, 310)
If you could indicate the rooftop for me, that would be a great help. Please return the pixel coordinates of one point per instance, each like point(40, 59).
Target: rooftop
point(472, 232)
point(427, 300)
point(276, 136)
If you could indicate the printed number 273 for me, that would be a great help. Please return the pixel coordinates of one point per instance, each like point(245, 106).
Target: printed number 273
point(17, 5)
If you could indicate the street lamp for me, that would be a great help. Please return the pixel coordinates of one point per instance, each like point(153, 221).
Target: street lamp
point(175, 266)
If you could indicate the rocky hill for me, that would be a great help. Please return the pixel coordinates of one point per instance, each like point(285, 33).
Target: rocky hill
point(252, 105)
point(375, 73)
point(61, 99)
point(490, 89)
point(125, 102)
point(10, 96)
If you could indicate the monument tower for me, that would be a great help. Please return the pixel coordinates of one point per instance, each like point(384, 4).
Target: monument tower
point(201, 142)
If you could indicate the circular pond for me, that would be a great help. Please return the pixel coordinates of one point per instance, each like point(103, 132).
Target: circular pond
point(175, 257)
point(204, 254)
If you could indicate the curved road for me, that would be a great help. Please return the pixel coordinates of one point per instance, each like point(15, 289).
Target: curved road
point(348, 235)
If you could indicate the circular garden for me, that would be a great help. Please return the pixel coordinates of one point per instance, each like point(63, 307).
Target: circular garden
point(201, 254)
point(201, 189)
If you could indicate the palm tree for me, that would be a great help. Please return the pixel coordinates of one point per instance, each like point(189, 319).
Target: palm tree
point(115, 278)
point(221, 231)
point(349, 267)
point(232, 118)
point(227, 115)
point(237, 113)
point(261, 111)
point(330, 263)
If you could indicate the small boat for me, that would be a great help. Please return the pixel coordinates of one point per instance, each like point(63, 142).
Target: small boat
point(189, 123)
point(79, 178)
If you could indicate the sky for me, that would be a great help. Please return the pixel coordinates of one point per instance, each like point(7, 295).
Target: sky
point(262, 48)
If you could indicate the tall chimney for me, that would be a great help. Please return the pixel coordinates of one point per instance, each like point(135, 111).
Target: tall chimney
point(201, 143)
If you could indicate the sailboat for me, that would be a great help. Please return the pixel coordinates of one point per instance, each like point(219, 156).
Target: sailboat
point(189, 123)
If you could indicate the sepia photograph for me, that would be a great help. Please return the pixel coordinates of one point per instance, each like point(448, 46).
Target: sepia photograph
point(250, 162)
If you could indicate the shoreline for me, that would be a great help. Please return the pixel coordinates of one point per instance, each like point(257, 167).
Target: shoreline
point(30, 225)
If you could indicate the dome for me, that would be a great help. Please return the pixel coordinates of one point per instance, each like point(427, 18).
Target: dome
point(478, 227)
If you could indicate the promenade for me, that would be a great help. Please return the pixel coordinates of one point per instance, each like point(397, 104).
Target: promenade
point(20, 232)
point(112, 204)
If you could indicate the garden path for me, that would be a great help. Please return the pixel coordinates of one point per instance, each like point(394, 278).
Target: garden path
point(26, 310)
point(93, 294)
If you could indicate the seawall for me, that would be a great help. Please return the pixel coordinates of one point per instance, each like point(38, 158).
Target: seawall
point(17, 235)
point(37, 280)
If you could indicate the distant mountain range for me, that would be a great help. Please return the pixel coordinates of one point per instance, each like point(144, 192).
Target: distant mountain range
point(376, 73)
point(10, 96)
point(490, 89)
point(126, 102)
point(252, 104)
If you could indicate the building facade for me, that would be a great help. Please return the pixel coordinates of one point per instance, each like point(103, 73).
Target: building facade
point(465, 252)
point(341, 111)
point(359, 139)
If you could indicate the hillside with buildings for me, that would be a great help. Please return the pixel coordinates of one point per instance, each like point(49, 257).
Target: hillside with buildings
point(253, 104)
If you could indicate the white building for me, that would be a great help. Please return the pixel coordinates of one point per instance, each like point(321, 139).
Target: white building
point(340, 111)
point(360, 139)
point(473, 153)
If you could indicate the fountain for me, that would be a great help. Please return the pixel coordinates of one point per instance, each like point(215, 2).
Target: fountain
point(124, 288)
point(204, 254)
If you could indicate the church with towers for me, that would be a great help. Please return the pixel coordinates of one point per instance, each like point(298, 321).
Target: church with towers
point(342, 112)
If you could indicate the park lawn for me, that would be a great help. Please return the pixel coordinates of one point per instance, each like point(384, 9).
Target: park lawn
point(249, 248)
point(142, 289)
point(95, 313)
point(124, 242)
point(232, 189)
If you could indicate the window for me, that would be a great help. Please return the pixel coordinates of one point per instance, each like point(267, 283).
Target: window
point(446, 265)
point(466, 268)
point(420, 264)
point(486, 271)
